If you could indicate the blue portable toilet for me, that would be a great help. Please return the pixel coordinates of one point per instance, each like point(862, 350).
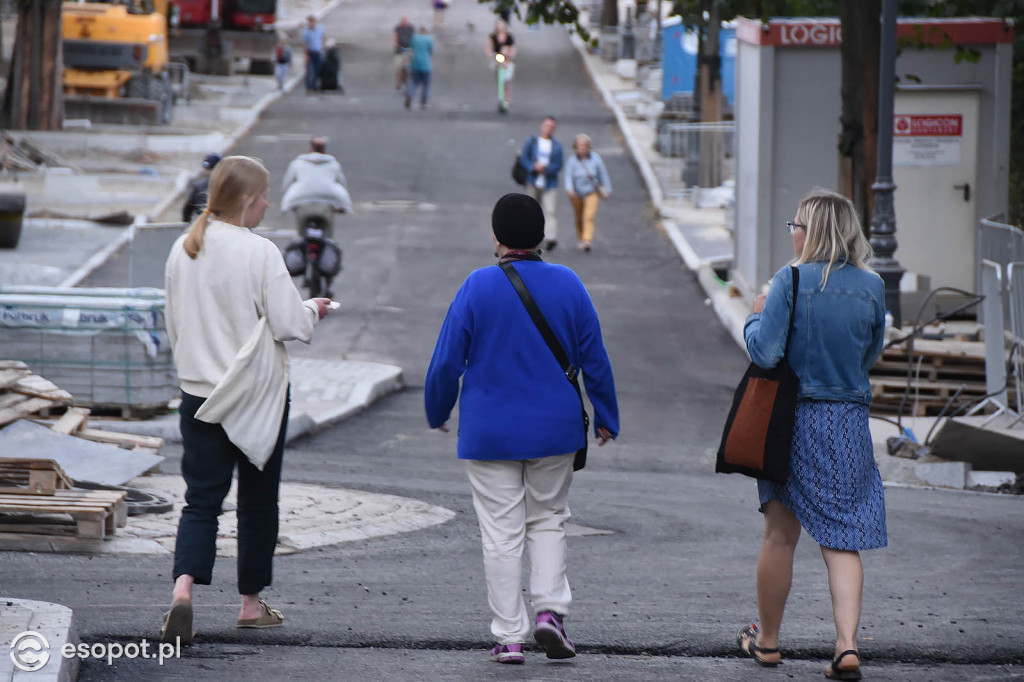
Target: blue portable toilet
point(679, 59)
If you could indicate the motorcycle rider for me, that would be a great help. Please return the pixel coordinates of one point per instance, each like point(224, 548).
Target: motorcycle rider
point(315, 177)
point(196, 201)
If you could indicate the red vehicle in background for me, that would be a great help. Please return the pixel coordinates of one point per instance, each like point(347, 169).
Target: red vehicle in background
point(211, 34)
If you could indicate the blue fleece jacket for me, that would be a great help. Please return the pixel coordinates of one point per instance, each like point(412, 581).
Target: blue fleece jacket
point(516, 403)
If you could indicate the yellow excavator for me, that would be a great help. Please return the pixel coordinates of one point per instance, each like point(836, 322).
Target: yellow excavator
point(116, 62)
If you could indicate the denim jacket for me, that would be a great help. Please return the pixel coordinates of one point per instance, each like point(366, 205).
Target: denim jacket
point(528, 157)
point(838, 331)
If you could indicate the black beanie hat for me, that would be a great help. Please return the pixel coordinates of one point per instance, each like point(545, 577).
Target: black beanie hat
point(518, 221)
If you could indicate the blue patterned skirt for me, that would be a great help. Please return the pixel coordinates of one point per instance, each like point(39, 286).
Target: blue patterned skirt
point(834, 487)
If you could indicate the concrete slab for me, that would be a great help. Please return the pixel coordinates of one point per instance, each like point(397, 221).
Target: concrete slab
point(943, 474)
point(35, 632)
point(83, 460)
point(324, 392)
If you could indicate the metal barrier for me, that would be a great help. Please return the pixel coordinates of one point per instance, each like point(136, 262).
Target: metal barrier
point(1016, 291)
point(712, 143)
point(1001, 244)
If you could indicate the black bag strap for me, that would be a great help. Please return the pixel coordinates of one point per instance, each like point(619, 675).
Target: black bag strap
point(792, 315)
point(571, 373)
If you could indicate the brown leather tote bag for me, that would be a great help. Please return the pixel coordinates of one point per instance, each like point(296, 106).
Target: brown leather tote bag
point(758, 436)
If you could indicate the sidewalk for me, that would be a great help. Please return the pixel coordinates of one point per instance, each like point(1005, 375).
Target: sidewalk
point(705, 243)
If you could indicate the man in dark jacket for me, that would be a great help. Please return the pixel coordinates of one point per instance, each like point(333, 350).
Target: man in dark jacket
point(196, 202)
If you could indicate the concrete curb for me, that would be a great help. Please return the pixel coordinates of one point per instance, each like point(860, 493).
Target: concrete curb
point(363, 395)
point(54, 623)
point(650, 179)
point(725, 306)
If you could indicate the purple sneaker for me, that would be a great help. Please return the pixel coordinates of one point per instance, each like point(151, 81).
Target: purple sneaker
point(508, 653)
point(550, 635)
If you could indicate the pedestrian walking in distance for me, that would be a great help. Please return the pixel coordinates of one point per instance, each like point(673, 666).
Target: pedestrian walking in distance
point(834, 490)
point(520, 421)
point(587, 182)
point(421, 67)
point(542, 158)
point(402, 43)
point(313, 43)
point(282, 61)
point(230, 306)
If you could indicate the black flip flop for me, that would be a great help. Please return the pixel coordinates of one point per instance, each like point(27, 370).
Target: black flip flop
point(834, 672)
point(749, 633)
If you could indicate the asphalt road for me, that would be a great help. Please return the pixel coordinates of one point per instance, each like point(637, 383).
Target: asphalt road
point(663, 594)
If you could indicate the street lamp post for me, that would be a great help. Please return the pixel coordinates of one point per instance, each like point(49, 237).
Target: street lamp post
point(883, 219)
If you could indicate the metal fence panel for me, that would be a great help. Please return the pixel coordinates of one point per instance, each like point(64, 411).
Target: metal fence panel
point(1016, 290)
point(1001, 244)
point(995, 348)
point(691, 140)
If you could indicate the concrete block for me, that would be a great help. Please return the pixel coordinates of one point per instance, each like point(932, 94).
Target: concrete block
point(990, 479)
point(44, 629)
point(943, 474)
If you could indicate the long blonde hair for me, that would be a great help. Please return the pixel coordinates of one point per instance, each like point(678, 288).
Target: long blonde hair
point(235, 183)
point(833, 233)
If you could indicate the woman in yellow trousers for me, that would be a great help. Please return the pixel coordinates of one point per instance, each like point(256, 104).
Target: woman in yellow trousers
point(587, 182)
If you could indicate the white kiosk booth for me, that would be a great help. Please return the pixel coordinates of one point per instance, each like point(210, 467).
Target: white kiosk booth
point(951, 145)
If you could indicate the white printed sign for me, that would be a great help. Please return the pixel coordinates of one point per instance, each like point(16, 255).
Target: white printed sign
point(932, 140)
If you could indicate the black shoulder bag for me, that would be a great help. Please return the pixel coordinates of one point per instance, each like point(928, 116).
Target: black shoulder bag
point(519, 173)
point(758, 437)
point(571, 373)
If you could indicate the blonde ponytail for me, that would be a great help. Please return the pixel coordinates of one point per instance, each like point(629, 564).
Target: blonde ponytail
point(234, 184)
point(194, 239)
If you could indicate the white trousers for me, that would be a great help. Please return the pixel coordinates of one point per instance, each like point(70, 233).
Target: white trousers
point(522, 503)
point(548, 199)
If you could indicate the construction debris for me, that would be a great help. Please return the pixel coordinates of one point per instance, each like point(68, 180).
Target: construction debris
point(24, 156)
point(39, 507)
point(23, 393)
point(83, 459)
point(939, 370)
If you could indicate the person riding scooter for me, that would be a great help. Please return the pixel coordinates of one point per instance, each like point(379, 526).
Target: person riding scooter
point(316, 177)
point(196, 201)
point(315, 190)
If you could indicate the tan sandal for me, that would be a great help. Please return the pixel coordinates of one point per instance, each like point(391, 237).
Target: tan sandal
point(268, 618)
point(178, 623)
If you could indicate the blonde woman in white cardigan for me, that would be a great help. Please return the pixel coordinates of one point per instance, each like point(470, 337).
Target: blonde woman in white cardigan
point(230, 306)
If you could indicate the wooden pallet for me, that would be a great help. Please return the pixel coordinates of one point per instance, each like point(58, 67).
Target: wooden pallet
point(95, 514)
point(23, 394)
point(32, 476)
point(937, 369)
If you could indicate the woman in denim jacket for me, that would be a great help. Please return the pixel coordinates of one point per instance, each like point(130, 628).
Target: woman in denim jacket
point(834, 490)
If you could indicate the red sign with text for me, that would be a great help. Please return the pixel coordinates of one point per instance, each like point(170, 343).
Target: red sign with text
point(935, 125)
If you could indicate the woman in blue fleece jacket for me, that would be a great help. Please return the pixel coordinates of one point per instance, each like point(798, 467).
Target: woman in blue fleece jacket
point(519, 420)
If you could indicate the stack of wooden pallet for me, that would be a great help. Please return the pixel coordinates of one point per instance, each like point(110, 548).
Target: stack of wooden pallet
point(38, 506)
point(26, 156)
point(23, 393)
point(938, 369)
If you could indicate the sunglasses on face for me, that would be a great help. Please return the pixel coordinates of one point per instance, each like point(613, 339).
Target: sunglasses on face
point(792, 227)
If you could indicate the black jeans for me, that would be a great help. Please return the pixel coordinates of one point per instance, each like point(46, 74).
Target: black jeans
point(207, 465)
